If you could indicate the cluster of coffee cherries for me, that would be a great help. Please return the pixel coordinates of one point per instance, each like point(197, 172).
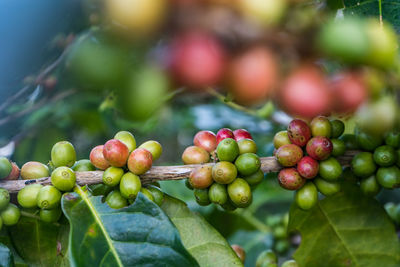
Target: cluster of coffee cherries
point(228, 182)
point(377, 165)
point(307, 153)
point(268, 258)
point(122, 163)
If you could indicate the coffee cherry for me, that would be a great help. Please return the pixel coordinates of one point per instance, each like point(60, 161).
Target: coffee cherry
point(349, 92)
point(63, 154)
point(224, 133)
point(290, 263)
point(83, 165)
point(321, 126)
point(393, 139)
point(330, 169)
point(338, 147)
point(228, 206)
point(201, 177)
point(130, 185)
point(140, 161)
point(227, 150)
point(115, 152)
point(299, 132)
point(10, 216)
point(4, 198)
point(247, 164)
point(264, 13)
point(195, 155)
point(307, 196)
point(308, 167)
point(247, 146)
point(370, 186)
point(239, 252)
point(201, 196)
point(14, 174)
point(34, 170)
point(217, 194)
point(127, 138)
point(368, 141)
point(266, 257)
point(5, 167)
point(240, 134)
point(112, 176)
point(363, 164)
point(27, 196)
point(327, 188)
point(305, 93)
point(197, 60)
point(319, 148)
point(255, 178)
point(50, 216)
point(97, 158)
point(158, 195)
point(385, 156)
point(188, 185)
point(146, 193)
point(48, 197)
point(63, 178)
point(224, 172)
point(388, 177)
point(239, 192)
point(281, 138)
point(115, 200)
point(349, 141)
point(253, 76)
point(290, 179)
point(154, 147)
point(337, 128)
point(206, 140)
point(289, 155)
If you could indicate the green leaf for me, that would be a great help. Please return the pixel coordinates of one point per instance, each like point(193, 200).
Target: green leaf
point(6, 240)
point(390, 9)
point(6, 257)
point(346, 229)
point(40, 243)
point(137, 235)
point(205, 244)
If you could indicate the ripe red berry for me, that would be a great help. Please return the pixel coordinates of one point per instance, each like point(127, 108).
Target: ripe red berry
point(319, 148)
point(97, 158)
point(140, 161)
point(240, 134)
point(206, 140)
point(115, 152)
point(308, 167)
point(224, 133)
point(299, 132)
point(290, 179)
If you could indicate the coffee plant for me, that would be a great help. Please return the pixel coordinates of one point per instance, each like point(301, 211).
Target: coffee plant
point(308, 177)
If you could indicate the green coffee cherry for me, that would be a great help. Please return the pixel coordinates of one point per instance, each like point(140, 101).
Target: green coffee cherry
point(370, 186)
point(385, 156)
point(228, 206)
point(327, 188)
point(112, 176)
point(266, 257)
point(5, 167)
point(337, 127)
point(330, 169)
point(154, 147)
point(130, 185)
point(281, 246)
point(27, 196)
point(247, 146)
point(393, 139)
point(49, 197)
point(239, 192)
point(158, 195)
point(227, 150)
point(368, 141)
point(388, 177)
point(83, 165)
point(321, 126)
point(350, 141)
point(247, 164)
point(63, 154)
point(390, 208)
point(4, 198)
point(50, 216)
point(290, 263)
point(34, 170)
point(339, 147)
point(255, 178)
point(63, 178)
point(188, 185)
point(224, 172)
point(217, 194)
point(11, 215)
point(201, 196)
point(147, 193)
point(115, 200)
point(127, 138)
point(363, 164)
point(280, 232)
point(307, 196)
